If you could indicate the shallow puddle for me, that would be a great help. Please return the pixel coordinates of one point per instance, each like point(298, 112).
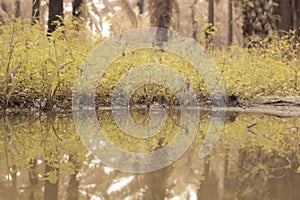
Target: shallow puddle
point(257, 157)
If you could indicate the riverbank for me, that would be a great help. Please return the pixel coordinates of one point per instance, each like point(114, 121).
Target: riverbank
point(39, 73)
point(288, 106)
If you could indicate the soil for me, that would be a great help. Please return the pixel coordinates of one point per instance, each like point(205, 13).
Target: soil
point(288, 106)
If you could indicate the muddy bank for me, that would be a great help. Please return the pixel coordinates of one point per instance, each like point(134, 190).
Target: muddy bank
point(288, 106)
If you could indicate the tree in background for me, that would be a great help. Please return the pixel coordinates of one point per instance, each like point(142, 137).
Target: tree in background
point(289, 15)
point(56, 13)
point(9, 9)
point(76, 13)
point(3, 14)
point(194, 20)
point(17, 8)
point(140, 5)
point(35, 14)
point(258, 19)
point(211, 12)
point(229, 23)
point(261, 17)
point(161, 14)
point(76, 8)
point(210, 30)
point(125, 5)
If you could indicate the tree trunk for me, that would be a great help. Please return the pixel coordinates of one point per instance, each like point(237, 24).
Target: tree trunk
point(3, 14)
point(76, 8)
point(258, 18)
point(210, 20)
point(51, 189)
point(295, 17)
point(289, 14)
point(73, 188)
point(140, 5)
point(160, 13)
point(160, 16)
point(17, 8)
point(56, 13)
point(194, 21)
point(211, 12)
point(283, 11)
point(229, 24)
point(33, 175)
point(129, 12)
point(76, 12)
point(35, 15)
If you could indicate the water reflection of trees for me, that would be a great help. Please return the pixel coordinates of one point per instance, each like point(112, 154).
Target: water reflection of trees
point(36, 145)
point(267, 175)
point(266, 162)
point(35, 149)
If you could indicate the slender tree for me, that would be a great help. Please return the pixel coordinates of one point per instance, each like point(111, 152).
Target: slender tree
point(76, 12)
point(229, 24)
point(211, 12)
point(3, 14)
point(129, 12)
point(161, 13)
point(76, 8)
point(140, 5)
point(56, 13)
point(295, 15)
point(289, 15)
point(210, 28)
point(35, 15)
point(17, 8)
point(194, 21)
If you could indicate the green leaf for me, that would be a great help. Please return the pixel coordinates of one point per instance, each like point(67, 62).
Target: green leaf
point(52, 178)
point(250, 4)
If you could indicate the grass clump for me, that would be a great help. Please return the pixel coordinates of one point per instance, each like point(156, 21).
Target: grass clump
point(40, 70)
point(271, 69)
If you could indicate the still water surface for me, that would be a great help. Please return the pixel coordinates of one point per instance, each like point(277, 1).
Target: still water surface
point(257, 157)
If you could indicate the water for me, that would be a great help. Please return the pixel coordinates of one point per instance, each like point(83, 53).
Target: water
point(257, 157)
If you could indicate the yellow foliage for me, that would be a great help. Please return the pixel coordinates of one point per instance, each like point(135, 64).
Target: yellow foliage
point(48, 66)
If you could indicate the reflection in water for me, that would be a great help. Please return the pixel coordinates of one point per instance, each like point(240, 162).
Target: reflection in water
point(257, 157)
point(209, 187)
point(51, 186)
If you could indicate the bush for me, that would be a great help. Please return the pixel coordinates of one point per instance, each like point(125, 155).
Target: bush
point(40, 71)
